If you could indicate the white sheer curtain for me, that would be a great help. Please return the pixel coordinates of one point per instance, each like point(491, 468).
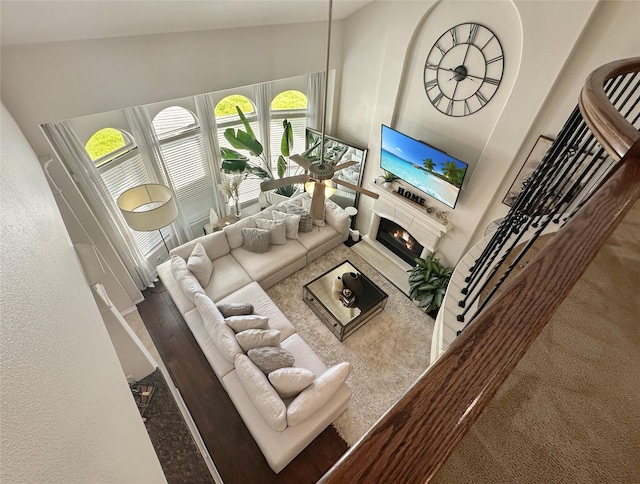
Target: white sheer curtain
point(263, 111)
point(205, 109)
point(69, 148)
point(315, 99)
point(151, 152)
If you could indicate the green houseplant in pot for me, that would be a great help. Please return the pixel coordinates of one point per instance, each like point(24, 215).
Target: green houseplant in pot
point(387, 178)
point(245, 140)
point(428, 282)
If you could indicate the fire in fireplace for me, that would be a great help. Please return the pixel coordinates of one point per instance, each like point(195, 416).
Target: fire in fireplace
point(398, 241)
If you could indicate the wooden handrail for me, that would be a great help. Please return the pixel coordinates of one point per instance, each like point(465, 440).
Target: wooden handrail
point(613, 131)
point(416, 436)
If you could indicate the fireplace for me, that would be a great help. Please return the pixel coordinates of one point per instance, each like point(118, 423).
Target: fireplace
point(399, 241)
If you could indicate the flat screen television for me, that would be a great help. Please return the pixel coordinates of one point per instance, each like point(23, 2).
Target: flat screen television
point(424, 167)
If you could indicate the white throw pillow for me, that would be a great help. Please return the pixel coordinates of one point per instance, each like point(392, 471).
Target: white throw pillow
point(222, 335)
point(257, 338)
point(186, 280)
point(292, 223)
point(264, 396)
point(277, 229)
point(288, 382)
point(178, 267)
point(316, 395)
point(200, 264)
point(190, 286)
point(247, 321)
point(306, 223)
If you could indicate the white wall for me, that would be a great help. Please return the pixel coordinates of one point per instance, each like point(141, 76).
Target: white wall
point(63, 80)
point(537, 38)
point(66, 409)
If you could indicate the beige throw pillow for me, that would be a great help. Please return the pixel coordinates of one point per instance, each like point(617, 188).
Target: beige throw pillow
point(292, 223)
point(200, 264)
point(247, 321)
point(257, 338)
point(277, 229)
point(288, 382)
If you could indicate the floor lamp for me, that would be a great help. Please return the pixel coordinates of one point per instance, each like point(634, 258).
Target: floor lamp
point(148, 207)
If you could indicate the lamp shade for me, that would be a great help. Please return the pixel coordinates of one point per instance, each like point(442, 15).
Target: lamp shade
point(328, 189)
point(148, 207)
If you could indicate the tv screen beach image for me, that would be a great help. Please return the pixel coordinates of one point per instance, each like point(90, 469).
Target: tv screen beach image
point(426, 168)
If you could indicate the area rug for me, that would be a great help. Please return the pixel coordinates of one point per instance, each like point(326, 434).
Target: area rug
point(387, 355)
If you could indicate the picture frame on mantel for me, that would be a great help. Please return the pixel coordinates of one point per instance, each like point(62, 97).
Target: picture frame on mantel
point(532, 161)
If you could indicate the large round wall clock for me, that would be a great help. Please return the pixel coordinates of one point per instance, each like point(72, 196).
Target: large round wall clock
point(463, 69)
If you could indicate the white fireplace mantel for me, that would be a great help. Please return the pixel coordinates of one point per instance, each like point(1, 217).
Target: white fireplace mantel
point(410, 216)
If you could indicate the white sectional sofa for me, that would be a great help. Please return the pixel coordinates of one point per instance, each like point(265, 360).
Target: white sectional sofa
point(282, 427)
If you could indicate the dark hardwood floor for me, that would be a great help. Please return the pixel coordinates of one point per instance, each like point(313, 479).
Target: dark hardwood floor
point(233, 450)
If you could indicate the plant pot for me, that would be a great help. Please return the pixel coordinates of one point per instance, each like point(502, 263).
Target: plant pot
point(386, 184)
point(275, 198)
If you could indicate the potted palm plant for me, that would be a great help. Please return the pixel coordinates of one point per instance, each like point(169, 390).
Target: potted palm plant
point(245, 140)
point(428, 282)
point(387, 178)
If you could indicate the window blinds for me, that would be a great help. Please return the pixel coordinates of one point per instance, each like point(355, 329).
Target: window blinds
point(125, 172)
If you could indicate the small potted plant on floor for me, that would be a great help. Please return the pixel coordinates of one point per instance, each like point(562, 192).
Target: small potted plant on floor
point(428, 282)
point(387, 178)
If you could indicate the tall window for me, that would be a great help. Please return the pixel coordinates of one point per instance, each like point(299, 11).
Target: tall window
point(227, 117)
point(121, 167)
point(185, 158)
point(182, 149)
point(290, 105)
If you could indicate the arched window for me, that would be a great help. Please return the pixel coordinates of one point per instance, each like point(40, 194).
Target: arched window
point(291, 100)
point(178, 132)
point(107, 144)
point(120, 165)
point(227, 117)
point(292, 106)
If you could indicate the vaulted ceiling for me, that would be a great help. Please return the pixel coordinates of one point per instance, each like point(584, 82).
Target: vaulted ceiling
point(26, 22)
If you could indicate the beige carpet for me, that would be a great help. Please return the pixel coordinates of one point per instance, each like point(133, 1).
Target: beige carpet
point(570, 412)
point(387, 354)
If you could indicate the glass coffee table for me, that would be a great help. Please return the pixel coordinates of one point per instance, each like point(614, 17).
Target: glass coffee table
point(341, 319)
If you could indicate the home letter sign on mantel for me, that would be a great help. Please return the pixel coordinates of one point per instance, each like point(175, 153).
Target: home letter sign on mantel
point(410, 196)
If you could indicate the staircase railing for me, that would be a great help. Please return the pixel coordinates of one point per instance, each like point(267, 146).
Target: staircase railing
point(415, 437)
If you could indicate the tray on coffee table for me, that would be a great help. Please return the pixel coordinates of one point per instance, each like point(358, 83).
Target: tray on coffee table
point(329, 307)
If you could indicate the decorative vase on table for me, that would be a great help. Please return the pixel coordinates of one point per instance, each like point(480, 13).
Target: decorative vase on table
point(353, 282)
point(213, 218)
point(337, 287)
point(234, 206)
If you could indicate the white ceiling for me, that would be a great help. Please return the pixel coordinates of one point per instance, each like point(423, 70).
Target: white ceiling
point(33, 21)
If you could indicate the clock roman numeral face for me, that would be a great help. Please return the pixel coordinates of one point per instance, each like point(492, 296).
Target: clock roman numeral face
point(463, 69)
